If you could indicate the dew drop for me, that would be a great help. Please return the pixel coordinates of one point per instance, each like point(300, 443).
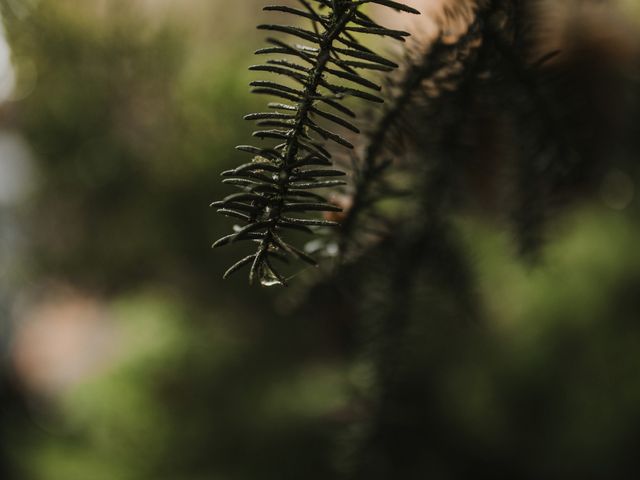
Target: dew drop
point(268, 278)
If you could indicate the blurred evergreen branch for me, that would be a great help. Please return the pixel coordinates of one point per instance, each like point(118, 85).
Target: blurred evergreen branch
point(395, 123)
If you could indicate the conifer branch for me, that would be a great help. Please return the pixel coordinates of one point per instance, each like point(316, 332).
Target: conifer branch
point(277, 183)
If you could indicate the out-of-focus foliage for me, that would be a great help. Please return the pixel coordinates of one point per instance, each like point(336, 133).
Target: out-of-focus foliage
point(124, 139)
point(548, 388)
point(186, 403)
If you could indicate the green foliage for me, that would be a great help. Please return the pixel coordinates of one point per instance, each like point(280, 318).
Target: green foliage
point(120, 126)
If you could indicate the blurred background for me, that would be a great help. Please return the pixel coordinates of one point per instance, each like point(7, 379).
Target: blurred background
point(124, 356)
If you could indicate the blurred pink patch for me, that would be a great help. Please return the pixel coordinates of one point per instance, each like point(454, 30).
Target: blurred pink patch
point(449, 17)
point(61, 341)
